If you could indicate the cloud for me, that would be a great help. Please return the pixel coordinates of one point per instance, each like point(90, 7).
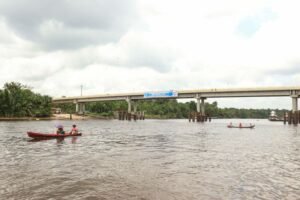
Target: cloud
point(139, 49)
point(134, 50)
point(288, 70)
point(251, 24)
point(64, 24)
point(289, 74)
point(121, 46)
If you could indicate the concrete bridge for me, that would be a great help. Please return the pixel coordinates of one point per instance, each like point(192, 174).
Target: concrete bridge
point(200, 95)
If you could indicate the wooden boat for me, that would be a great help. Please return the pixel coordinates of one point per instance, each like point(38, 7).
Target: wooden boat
point(232, 126)
point(50, 135)
point(274, 118)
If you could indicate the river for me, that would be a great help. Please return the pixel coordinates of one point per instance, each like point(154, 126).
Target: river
point(151, 159)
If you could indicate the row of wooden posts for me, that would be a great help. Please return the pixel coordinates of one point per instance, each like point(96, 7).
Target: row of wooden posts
point(124, 115)
point(198, 117)
point(292, 117)
point(193, 116)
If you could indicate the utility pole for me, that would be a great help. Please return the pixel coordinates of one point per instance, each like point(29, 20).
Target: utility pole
point(80, 90)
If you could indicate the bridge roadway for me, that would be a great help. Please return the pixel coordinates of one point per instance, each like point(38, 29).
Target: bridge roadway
point(201, 94)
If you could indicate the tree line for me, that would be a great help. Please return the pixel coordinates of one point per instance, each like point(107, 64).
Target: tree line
point(17, 100)
point(171, 109)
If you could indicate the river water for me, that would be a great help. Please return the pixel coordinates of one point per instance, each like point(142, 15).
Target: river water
point(151, 159)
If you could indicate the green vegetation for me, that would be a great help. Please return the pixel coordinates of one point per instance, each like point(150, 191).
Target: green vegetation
point(17, 100)
point(66, 107)
point(170, 109)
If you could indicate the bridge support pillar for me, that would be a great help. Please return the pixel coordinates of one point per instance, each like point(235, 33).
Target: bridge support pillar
point(202, 106)
point(294, 103)
point(77, 107)
point(134, 107)
point(128, 100)
point(83, 108)
point(198, 105)
point(80, 108)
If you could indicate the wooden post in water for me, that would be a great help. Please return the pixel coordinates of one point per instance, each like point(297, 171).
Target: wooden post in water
point(209, 118)
point(290, 118)
point(121, 115)
point(198, 116)
point(142, 115)
point(124, 116)
point(296, 117)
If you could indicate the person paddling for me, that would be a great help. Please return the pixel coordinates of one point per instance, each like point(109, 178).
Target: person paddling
point(74, 129)
point(60, 130)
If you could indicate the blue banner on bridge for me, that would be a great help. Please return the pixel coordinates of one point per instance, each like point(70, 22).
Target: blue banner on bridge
point(169, 93)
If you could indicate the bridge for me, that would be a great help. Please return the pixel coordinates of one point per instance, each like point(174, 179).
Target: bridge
point(200, 95)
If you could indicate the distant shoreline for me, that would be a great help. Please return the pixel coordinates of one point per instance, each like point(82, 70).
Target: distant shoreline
point(24, 118)
point(53, 117)
point(86, 117)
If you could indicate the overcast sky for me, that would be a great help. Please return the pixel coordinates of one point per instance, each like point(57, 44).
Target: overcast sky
point(113, 46)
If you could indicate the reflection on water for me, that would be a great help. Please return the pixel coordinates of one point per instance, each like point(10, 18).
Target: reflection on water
point(152, 159)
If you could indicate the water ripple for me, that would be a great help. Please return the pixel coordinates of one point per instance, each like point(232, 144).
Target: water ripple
point(152, 159)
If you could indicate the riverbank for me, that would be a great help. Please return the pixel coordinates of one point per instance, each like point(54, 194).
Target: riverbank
point(53, 117)
point(69, 116)
point(23, 118)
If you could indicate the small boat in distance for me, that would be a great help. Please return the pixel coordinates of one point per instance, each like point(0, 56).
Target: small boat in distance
point(50, 135)
point(273, 117)
point(241, 126)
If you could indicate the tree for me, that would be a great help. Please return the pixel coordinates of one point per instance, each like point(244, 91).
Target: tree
point(17, 100)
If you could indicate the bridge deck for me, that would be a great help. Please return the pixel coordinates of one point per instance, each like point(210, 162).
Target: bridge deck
point(205, 93)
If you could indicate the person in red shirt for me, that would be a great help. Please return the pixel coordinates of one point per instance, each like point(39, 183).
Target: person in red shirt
point(74, 129)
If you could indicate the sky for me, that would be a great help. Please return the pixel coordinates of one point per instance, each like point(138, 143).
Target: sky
point(115, 46)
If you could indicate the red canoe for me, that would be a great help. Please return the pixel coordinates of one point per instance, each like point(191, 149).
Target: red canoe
point(50, 135)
